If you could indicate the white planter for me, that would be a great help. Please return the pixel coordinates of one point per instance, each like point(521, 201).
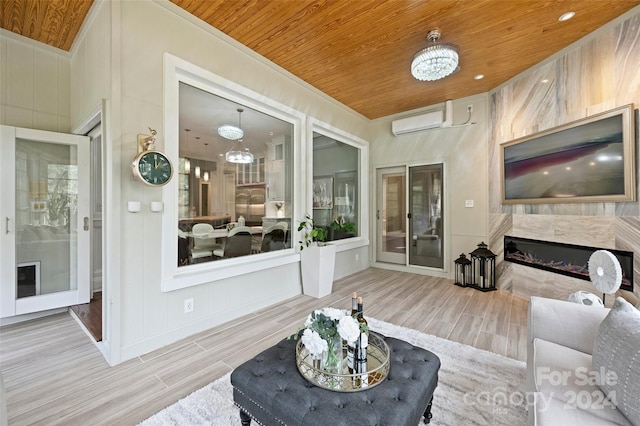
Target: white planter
point(317, 264)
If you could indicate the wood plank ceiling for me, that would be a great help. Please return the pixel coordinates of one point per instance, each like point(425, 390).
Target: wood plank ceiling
point(359, 51)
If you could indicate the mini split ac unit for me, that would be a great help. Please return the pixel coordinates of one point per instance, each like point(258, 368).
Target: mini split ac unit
point(417, 123)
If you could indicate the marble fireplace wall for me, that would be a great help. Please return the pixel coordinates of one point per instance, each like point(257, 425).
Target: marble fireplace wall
point(598, 73)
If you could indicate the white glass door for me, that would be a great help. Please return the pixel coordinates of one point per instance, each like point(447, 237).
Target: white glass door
point(44, 203)
point(391, 215)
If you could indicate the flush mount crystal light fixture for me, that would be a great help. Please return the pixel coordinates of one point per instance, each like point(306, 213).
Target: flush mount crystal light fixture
point(230, 132)
point(435, 61)
point(236, 154)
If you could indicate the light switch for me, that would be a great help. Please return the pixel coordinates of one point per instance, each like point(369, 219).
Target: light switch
point(468, 203)
point(156, 206)
point(133, 206)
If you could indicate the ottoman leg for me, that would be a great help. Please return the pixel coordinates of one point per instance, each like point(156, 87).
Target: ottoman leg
point(245, 419)
point(427, 412)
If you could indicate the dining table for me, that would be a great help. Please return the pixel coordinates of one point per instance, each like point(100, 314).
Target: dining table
point(218, 233)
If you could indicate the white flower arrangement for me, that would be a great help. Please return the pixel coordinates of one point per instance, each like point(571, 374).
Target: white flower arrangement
point(323, 326)
point(315, 344)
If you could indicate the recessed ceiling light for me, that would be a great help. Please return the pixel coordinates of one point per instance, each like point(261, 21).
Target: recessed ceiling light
point(479, 77)
point(545, 80)
point(566, 16)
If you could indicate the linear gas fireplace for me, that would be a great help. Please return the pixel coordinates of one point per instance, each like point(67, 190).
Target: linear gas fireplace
point(566, 259)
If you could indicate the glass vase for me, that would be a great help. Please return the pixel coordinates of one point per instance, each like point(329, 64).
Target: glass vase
point(332, 362)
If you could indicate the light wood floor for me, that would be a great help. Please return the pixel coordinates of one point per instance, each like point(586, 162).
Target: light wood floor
point(54, 374)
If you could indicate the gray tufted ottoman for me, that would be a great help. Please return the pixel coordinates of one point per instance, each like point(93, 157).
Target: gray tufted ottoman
point(270, 390)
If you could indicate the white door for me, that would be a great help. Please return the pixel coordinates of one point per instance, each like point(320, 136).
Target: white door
point(391, 214)
point(45, 210)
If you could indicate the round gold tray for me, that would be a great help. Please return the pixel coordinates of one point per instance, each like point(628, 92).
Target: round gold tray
point(377, 363)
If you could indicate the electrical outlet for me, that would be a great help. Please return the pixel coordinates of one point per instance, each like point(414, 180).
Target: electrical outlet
point(468, 203)
point(357, 257)
point(188, 305)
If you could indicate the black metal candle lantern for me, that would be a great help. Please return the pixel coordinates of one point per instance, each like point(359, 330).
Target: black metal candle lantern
point(483, 264)
point(463, 271)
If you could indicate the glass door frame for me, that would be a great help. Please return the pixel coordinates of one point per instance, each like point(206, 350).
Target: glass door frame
point(388, 257)
point(404, 263)
point(10, 304)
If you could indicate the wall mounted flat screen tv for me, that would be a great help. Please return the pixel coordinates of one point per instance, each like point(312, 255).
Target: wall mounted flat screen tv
point(588, 160)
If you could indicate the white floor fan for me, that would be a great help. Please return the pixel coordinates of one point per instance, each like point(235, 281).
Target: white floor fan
point(605, 272)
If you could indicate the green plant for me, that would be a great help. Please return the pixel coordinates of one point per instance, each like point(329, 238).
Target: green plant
point(312, 233)
point(346, 226)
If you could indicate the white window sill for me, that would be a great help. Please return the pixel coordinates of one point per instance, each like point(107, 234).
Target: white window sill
point(207, 272)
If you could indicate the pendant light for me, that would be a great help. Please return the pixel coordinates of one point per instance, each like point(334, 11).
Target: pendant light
point(236, 154)
point(187, 162)
point(231, 132)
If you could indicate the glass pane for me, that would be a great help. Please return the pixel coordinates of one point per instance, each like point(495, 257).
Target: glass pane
point(46, 217)
point(393, 213)
point(336, 176)
point(426, 216)
point(251, 197)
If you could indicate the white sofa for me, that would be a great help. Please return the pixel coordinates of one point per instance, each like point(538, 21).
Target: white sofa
point(583, 364)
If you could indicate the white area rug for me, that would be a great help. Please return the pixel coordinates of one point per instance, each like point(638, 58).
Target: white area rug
point(475, 387)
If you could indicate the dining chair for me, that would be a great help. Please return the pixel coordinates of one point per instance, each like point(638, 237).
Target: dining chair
point(183, 251)
point(203, 246)
point(238, 243)
point(274, 238)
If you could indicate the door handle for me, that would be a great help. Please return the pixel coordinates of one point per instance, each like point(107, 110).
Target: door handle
point(86, 223)
point(378, 214)
point(408, 215)
point(7, 226)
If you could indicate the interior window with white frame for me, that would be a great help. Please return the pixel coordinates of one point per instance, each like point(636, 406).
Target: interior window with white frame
point(336, 177)
point(234, 177)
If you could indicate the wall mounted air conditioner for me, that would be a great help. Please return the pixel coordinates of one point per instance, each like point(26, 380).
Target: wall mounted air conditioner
point(429, 120)
point(417, 123)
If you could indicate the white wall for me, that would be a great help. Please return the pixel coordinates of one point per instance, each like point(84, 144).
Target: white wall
point(91, 72)
point(463, 150)
point(34, 84)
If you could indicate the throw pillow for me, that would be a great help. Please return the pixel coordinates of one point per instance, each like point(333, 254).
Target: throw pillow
point(616, 353)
